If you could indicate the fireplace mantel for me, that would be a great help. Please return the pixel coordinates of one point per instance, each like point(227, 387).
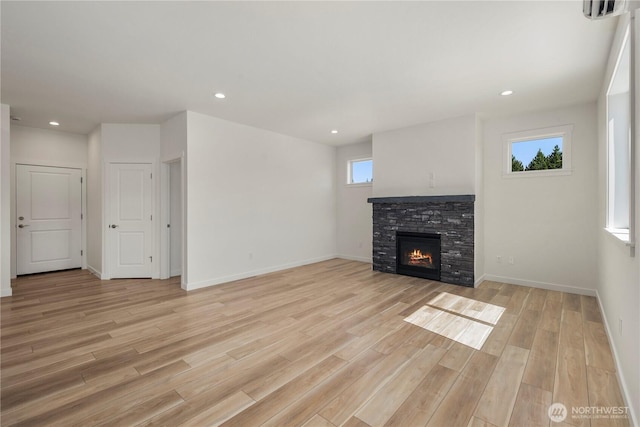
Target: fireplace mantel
point(423, 199)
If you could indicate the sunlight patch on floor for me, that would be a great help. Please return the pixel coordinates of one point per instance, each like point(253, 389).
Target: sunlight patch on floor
point(461, 319)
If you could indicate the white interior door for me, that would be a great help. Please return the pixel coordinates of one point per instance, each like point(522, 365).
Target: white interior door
point(130, 230)
point(49, 214)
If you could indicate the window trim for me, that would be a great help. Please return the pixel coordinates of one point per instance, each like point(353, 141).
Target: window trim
point(564, 131)
point(626, 234)
point(350, 163)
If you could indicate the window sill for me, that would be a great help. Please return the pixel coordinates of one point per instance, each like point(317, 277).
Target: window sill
point(361, 184)
point(620, 234)
point(533, 174)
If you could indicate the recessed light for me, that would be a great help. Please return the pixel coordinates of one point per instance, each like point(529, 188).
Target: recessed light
point(506, 92)
point(54, 123)
point(220, 95)
point(334, 131)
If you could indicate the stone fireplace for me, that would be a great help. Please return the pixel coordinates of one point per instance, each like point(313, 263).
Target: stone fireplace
point(447, 219)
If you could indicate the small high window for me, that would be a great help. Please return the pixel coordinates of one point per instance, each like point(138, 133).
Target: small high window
point(360, 171)
point(538, 152)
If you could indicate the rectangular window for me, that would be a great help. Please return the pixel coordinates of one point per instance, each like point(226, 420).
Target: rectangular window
point(619, 145)
point(360, 171)
point(538, 152)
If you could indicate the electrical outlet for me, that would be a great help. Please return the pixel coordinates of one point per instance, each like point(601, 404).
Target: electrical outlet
point(620, 325)
point(250, 255)
point(360, 245)
point(432, 180)
point(511, 260)
point(499, 259)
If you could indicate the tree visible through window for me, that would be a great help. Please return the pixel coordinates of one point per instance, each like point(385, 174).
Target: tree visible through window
point(536, 154)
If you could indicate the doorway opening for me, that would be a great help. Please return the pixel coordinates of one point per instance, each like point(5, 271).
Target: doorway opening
point(175, 219)
point(172, 230)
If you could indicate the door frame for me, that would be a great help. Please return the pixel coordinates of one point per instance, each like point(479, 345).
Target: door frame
point(165, 208)
point(106, 215)
point(13, 204)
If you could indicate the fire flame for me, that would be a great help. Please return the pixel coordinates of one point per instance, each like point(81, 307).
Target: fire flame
point(417, 256)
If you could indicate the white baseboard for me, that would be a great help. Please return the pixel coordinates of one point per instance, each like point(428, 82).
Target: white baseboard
point(479, 280)
point(542, 285)
point(621, 381)
point(5, 292)
point(94, 272)
point(245, 275)
point(355, 258)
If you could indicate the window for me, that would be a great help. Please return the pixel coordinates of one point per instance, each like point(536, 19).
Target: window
point(538, 152)
point(360, 171)
point(619, 145)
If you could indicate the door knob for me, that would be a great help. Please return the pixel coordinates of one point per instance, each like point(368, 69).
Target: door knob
point(114, 226)
point(23, 225)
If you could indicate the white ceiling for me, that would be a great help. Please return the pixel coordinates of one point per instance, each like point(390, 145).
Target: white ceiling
point(297, 68)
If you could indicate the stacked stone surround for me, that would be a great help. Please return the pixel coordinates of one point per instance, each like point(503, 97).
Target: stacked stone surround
point(449, 216)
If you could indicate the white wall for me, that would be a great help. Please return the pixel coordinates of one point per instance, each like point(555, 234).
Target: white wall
point(618, 278)
point(5, 202)
point(405, 158)
point(545, 223)
point(130, 142)
point(354, 214)
point(173, 137)
point(258, 201)
point(46, 148)
point(94, 202)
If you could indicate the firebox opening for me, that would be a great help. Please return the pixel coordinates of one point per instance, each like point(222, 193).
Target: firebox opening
point(417, 258)
point(418, 254)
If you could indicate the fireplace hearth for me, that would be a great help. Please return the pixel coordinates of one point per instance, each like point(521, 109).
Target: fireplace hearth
point(418, 254)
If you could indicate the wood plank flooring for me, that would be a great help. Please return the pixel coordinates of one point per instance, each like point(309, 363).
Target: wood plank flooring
point(316, 346)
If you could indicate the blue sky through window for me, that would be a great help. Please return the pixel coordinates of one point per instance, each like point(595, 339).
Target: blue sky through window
point(361, 171)
point(525, 151)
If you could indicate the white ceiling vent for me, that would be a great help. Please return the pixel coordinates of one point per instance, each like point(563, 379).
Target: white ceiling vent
point(598, 9)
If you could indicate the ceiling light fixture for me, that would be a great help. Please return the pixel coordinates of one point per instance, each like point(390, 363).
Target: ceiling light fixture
point(506, 92)
point(220, 95)
point(54, 123)
point(334, 131)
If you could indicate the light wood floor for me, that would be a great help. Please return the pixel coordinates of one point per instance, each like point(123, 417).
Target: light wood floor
point(320, 345)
